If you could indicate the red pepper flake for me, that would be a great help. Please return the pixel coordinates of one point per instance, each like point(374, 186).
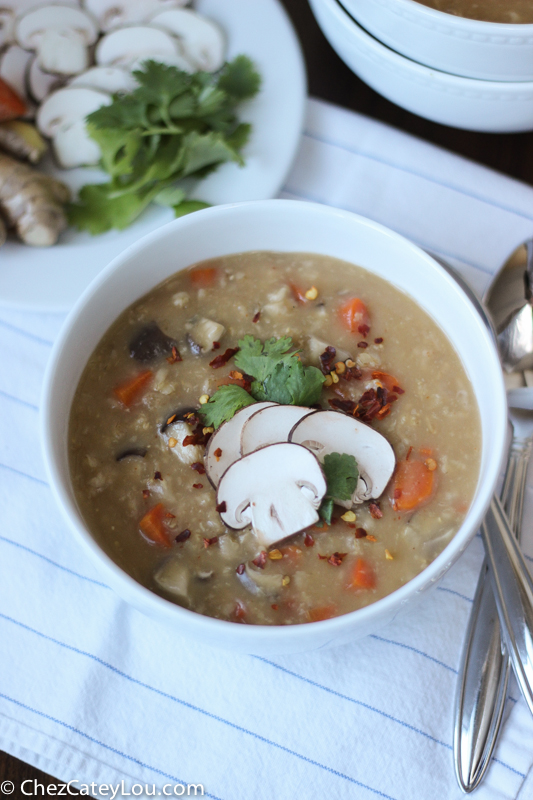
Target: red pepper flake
point(222, 359)
point(257, 316)
point(183, 536)
point(209, 542)
point(375, 510)
point(198, 467)
point(351, 373)
point(348, 406)
point(364, 329)
point(217, 453)
point(398, 390)
point(384, 412)
point(240, 611)
point(240, 569)
point(378, 340)
point(362, 345)
point(336, 559)
point(171, 419)
point(323, 558)
point(158, 476)
point(326, 359)
point(309, 541)
point(236, 376)
point(360, 533)
point(297, 294)
point(146, 494)
point(222, 507)
point(407, 457)
point(216, 345)
point(168, 515)
point(371, 538)
point(274, 606)
point(197, 486)
point(261, 559)
point(175, 357)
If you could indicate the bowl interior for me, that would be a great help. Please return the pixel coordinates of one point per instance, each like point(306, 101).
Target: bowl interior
point(292, 227)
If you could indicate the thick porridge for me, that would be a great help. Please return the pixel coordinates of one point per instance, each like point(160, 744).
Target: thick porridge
point(510, 11)
point(274, 438)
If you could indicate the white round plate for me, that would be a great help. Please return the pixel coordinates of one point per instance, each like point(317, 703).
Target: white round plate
point(53, 278)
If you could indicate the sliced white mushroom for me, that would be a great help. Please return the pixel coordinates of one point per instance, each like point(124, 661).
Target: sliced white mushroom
point(106, 79)
point(277, 490)
point(13, 66)
point(227, 440)
point(135, 43)
point(202, 40)
point(60, 35)
point(270, 425)
point(325, 432)
point(204, 333)
point(257, 581)
point(117, 13)
point(10, 9)
point(40, 84)
point(316, 347)
point(62, 118)
point(173, 577)
point(169, 59)
point(187, 454)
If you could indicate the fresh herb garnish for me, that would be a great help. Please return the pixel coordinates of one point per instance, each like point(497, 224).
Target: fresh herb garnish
point(224, 404)
point(342, 475)
point(172, 126)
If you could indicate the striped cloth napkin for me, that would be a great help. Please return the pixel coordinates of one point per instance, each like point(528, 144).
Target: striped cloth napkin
point(93, 692)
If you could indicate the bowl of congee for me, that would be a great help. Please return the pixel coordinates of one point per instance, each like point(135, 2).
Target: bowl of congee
point(273, 424)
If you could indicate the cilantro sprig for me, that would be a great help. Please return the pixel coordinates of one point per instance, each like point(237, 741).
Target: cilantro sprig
point(173, 126)
point(224, 405)
point(342, 474)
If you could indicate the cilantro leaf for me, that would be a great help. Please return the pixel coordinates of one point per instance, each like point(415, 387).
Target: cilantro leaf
point(240, 79)
point(258, 359)
point(326, 510)
point(97, 212)
point(341, 473)
point(188, 206)
point(290, 384)
point(224, 404)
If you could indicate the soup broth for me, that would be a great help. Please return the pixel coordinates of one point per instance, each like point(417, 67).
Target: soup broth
point(510, 11)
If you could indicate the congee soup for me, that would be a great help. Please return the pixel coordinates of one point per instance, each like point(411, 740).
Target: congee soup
point(274, 438)
point(510, 11)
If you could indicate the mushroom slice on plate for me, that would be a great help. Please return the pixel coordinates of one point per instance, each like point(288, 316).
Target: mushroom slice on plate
point(117, 13)
point(277, 490)
point(13, 66)
point(10, 9)
point(62, 118)
point(40, 84)
point(270, 425)
point(61, 36)
point(226, 443)
point(325, 432)
point(202, 40)
point(125, 46)
point(106, 79)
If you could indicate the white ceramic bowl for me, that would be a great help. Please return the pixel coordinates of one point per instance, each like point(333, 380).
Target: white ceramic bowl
point(281, 225)
point(490, 51)
point(491, 106)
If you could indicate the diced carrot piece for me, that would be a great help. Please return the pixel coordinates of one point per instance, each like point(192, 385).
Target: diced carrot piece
point(202, 277)
point(354, 314)
point(153, 526)
point(11, 105)
point(388, 381)
point(131, 389)
point(321, 612)
point(412, 485)
point(297, 293)
point(363, 575)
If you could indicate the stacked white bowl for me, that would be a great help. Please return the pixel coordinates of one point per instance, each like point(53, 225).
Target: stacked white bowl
point(462, 72)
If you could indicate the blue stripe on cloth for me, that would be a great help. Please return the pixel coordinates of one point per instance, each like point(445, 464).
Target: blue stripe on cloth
point(53, 563)
point(192, 707)
point(457, 594)
point(22, 332)
point(414, 650)
point(406, 234)
point(100, 744)
point(418, 174)
point(18, 400)
point(24, 474)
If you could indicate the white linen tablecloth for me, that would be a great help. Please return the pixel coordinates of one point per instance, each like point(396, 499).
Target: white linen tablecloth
point(91, 690)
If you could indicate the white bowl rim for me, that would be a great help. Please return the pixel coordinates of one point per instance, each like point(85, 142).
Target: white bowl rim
point(436, 75)
point(209, 627)
point(475, 25)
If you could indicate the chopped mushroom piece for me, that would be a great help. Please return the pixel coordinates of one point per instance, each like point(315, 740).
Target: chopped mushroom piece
point(40, 84)
point(325, 432)
point(61, 36)
point(204, 333)
point(270, 425)
point(277, 490)
point(257, 581)
point(125, 46)
point(112, 14)
point(187, 453)
point(106, 79)
point(173, 576)
point(202, 39)
point(316, 347)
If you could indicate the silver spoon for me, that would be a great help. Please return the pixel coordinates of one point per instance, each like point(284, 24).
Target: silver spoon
point(485, 667)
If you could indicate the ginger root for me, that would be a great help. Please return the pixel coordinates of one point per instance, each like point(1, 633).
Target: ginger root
point(32, 202)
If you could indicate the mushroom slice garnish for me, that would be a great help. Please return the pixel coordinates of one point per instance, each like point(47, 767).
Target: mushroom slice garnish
point(270, 426)
point(116, 13)
point(277, 490)
point(61, 36)
point(106, 79)
point(226, 443)
point(325, 432)
point(125, 46)
point(40, 84)
point(202, 40)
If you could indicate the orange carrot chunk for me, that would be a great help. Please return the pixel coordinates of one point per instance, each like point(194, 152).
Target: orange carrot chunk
point(354, 315)
point(11, 105)
point(202, 277)
point(321, 612)
point(131, 389)
point(412, 485)
point(363, 575)
point(153, 526)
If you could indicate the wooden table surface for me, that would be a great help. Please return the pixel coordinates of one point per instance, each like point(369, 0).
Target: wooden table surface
point(330, 79)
